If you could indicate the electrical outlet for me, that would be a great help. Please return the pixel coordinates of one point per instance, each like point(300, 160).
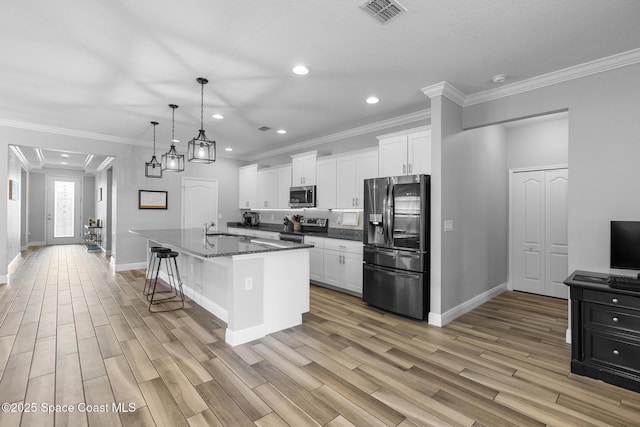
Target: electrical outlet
point(448, 225)
point(220, 215)
point(339, 220)
point(248, 283)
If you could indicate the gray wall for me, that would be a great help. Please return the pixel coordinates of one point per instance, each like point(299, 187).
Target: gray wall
point(37, 196)
point(604, 148)
point(12, 246)
point(474, 254)
point(538, 142)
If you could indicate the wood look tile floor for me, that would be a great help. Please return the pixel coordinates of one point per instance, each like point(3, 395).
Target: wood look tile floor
point(72, 333)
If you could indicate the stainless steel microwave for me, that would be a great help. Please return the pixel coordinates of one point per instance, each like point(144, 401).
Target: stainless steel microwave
point(302, 197)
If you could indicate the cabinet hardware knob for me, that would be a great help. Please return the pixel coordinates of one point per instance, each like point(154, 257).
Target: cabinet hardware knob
point(409, 167)
point(615, 300)
point(615, 319)
point(616, 352)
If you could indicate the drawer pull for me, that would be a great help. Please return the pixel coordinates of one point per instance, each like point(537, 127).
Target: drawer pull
point(615, 300)
point(616, 352)
point(615, 319)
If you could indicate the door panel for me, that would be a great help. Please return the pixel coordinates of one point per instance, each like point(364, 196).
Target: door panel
point(200, 203)
point(64, 213)
point(557, 248)
point(528, 231)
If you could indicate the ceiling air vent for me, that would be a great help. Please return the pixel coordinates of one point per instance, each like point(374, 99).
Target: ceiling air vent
point(383, 10)
point(264, 128)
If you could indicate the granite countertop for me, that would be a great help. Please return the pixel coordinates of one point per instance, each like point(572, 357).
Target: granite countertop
point(331, 233)
point(215, 244)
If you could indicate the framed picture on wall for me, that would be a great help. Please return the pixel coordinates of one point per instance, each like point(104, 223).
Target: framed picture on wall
point(14, 190)
point(152, 199)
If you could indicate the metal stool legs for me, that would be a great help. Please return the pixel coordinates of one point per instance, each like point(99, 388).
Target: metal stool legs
point(175, 283)
point(153, 259)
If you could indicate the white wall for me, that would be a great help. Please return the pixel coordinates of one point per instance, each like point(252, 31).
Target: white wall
point(37, 218)
point(604, 148)
point(13, 223)
point(538, 142)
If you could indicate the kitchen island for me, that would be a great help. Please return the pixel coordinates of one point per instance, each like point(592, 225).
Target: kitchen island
point(257, 286)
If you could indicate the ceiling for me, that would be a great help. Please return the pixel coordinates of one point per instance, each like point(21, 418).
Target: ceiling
point(106, 69)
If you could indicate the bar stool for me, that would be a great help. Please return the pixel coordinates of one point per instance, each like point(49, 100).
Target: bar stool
point(153, 259)
point(175, 282)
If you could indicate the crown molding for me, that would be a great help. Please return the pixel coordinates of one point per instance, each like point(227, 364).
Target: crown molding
point(67, 132)
point(586, 69)
point(20, 156)
point(445, 89)
point(361, 130)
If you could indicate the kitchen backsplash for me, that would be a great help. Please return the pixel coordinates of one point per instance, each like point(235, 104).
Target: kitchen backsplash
point(335, 217)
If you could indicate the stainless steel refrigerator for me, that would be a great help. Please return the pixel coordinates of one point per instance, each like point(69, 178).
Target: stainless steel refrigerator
point(396, 244)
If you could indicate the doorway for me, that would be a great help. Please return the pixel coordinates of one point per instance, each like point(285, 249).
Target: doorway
point(538, 229)
point(64, 213)
point(199, 202)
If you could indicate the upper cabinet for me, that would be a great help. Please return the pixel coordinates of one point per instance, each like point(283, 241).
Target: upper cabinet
point(284, 183)
point(267, 188)
point(405, 153)
point(304, 169)
point(326, 183)
point(247, 186)
point(352, 170)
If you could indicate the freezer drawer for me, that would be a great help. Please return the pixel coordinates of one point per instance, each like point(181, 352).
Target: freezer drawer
point(398, 291)
point(392, 258)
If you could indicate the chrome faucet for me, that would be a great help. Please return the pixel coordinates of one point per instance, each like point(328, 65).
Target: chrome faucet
point(206, 226)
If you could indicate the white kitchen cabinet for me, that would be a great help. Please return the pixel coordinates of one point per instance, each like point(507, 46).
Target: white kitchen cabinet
point(267, 188)
point(316, 258)
point(343, 265)
point(284, 183)
point(254, 233)
point(405, 153)
point(303, 169)
point(247, 186)
point(326, 186)
point(352, 170)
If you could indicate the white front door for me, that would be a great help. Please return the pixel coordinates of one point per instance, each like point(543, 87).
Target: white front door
point(539, 226)
point(64, 212)
point(200, 202)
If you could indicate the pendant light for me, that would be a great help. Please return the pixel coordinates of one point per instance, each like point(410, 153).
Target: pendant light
point(153, 169)
point(200, 149)
point(171, 160)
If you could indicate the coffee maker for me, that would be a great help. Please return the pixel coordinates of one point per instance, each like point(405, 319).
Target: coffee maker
point(250, 218)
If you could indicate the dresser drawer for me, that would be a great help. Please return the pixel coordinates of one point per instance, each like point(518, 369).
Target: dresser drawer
point(611, 317)
point(619, 300)
point(612, 350)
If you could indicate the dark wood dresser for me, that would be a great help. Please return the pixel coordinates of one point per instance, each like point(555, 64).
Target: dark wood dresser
point(605, 330)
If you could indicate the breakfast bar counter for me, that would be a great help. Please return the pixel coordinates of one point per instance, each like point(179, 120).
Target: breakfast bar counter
point(257, 286)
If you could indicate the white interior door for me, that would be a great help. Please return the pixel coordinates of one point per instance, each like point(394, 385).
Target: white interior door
point(557, 248)
point(200, 202)
point(528, 229)
point(539, 251)
point(64, 211)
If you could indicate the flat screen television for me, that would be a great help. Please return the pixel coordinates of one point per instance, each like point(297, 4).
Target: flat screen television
point(625, 245)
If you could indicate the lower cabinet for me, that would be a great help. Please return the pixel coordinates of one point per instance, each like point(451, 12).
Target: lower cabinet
point(337, 263)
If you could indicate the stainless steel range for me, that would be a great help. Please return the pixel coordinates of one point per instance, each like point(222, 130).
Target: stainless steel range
point(309, 225)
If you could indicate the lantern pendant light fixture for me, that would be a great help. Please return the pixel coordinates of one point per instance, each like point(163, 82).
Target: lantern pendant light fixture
point(200, 149)
point(153, 169)
point(171, 160)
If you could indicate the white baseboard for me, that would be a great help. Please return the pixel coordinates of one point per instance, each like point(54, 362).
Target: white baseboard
point(203, 302)
point(242, 336)
point(567, 337)
point(457, 311)
point(132, 266)
point(4, 279)
point(15, 259)
point(24, 248)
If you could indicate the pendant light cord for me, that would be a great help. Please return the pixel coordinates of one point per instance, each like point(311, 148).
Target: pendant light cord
point(201, 105)
point(154, 140)
point(173, 123)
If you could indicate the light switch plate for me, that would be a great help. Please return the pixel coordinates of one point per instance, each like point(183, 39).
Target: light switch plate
point(448, 225)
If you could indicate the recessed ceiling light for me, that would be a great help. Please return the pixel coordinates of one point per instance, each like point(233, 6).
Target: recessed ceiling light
point(217, 116)
point(228, 149)
point(64, 155)
point(301, 70)
point(499, 78)
point(372, 100)
point(281, 131)
point(63, 163)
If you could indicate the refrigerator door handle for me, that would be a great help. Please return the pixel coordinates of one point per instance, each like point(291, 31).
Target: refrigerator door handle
point(390, 211)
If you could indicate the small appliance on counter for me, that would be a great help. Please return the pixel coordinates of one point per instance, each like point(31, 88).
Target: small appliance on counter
point(250, 218)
